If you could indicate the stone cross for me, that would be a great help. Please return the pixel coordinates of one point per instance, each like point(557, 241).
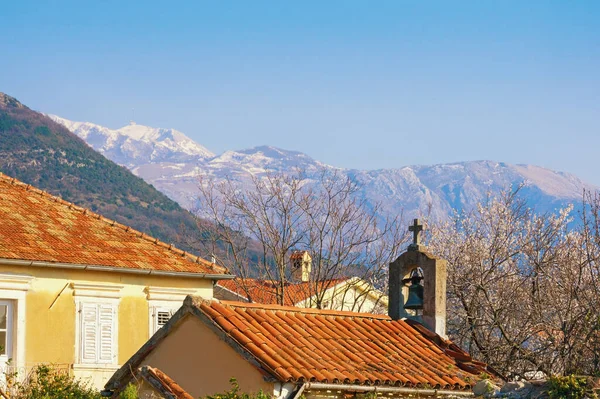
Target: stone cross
point(416, 229)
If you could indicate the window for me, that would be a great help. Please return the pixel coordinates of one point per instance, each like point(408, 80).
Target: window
point(163, 302)
point(97, 333)
point(96, 326)
point(161, 315)
point(6, 326)
point(13, 291)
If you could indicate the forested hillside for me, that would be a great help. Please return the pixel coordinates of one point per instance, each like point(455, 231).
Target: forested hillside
point(38, 151)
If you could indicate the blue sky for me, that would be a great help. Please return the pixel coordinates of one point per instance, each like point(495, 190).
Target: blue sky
point(369, 84)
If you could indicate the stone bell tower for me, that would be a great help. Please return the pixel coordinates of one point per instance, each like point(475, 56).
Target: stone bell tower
point(416, 266)
point(301, 266)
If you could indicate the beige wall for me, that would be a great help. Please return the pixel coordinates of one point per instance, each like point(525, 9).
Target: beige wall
point(50, 314)
point(353, 296)
point(201, 363)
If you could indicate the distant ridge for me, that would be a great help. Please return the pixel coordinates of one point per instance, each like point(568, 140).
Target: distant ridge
point(134, 144)
point(43, 153)
point(435, 191)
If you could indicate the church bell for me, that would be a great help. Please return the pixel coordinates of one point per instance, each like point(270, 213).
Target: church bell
point(415, 292)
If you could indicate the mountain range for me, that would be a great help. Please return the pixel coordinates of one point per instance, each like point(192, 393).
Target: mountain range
point(171, 162)
point(43, 153)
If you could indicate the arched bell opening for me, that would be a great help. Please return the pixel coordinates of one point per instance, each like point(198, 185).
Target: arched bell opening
point(414, 292)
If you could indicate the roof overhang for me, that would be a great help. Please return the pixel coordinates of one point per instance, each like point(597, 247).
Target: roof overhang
point(114, 269)
point(319, 386)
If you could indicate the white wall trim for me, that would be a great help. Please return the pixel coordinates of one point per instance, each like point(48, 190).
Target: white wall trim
point(14, 287)
point(95, 290)
point(94, 367)
point(11, 281)
point(168, 294)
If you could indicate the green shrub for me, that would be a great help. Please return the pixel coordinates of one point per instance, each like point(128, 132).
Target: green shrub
point(568, 387)
point(130, 392)
point(44, 382)
point(234, 393)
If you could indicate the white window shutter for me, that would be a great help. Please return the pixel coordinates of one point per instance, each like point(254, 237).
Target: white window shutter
point(106, 333)
point(89, 333)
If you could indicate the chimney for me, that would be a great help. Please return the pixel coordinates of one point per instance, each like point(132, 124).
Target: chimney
point(417, 261)
point(301, 266)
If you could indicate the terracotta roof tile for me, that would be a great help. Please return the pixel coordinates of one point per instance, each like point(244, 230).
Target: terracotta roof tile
point(265, 291)
point(37, 226)
point(297, 255)
point(163, 383)
point(297, 345)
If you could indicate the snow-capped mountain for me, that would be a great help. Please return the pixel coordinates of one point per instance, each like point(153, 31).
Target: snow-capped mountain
point(135, 145)
point(172, 163)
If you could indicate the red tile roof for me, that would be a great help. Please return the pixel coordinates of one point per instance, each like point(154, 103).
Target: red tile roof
point(37, 226)
point(265, 291)
point(300, 345)
point(297, 255)
point(163, 383)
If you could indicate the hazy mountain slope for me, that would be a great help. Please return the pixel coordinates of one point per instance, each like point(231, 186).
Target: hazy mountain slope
point(38, 151)
point(434, 190)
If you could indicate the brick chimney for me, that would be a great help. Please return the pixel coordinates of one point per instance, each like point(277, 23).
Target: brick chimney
point(416, 258)
point(301, 266)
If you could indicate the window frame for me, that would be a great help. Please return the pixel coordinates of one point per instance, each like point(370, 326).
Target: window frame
point(10, 329)
point(14, 287)
point(96, 295)
point(114, 330)
point(164, 306)
point(164, 299)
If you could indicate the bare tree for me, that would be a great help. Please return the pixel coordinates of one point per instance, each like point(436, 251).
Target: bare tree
point(278, 214)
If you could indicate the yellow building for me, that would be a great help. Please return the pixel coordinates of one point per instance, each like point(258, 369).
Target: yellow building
point(81, 291)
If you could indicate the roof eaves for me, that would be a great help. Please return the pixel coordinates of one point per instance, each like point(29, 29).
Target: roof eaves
point(153, 272)
point(387, 389)
point(163, 383)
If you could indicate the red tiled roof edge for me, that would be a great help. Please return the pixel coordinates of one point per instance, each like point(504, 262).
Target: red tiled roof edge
point(212, 310)
point(463, 360)
point(296, 293)
point(214, 314)
point(112, 223)
point(163, 383)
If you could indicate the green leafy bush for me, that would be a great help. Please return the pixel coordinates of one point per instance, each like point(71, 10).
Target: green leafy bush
point(44, 382)
point(234, 393)
point(568, 387)
point(130, 392)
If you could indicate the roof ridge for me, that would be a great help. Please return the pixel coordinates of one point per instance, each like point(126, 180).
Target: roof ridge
point(113, 223)
point(324, 312)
